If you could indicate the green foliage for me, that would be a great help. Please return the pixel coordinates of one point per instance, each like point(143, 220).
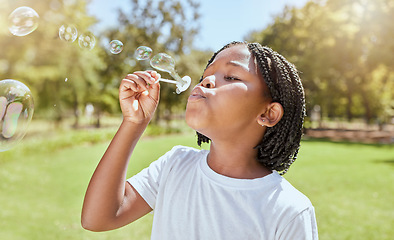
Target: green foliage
point(43, 62)
point(65, 78)
point(164, 26)
point(344, 51)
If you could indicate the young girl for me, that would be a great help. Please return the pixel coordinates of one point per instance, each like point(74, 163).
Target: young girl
point(250, 105)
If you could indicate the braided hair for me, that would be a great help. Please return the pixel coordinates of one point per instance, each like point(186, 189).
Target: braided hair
point(279, 147)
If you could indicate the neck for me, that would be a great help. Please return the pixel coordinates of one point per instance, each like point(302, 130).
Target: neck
point(236, 160)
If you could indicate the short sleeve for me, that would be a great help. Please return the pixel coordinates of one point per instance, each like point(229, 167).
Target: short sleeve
point(302, 227)
point(147, 182)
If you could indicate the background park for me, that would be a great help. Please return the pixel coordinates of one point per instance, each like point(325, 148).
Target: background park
point(343, 49)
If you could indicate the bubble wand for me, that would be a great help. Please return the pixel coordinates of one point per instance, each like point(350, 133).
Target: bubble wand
point(166, 63)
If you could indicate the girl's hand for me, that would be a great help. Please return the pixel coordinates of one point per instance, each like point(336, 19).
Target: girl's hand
point(139, 95)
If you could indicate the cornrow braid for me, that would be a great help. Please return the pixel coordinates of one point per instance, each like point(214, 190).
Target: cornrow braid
point(280, 144)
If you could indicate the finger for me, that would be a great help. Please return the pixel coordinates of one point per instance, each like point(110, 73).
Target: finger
point(154, 91)
point(154, 86)
point(153, 73)
point(156, 76)
point(146, 75)
point(128, 84)
point(137, 77)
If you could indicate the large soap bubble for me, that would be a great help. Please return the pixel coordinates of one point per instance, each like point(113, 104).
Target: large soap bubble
point(16, 112)
point(23, 21)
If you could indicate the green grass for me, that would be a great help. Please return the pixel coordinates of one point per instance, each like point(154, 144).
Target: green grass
point(351, 187)
point(42, 185)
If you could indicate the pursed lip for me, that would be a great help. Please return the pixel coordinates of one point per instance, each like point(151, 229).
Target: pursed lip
point(197, 93)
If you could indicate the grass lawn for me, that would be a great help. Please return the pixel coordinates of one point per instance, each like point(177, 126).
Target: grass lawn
point(41, 190)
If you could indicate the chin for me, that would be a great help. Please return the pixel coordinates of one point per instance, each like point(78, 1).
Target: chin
point(197, 119)
point(191, 121)
point(194, 122)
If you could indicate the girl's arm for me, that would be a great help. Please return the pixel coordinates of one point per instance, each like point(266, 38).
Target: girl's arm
point(110, 202)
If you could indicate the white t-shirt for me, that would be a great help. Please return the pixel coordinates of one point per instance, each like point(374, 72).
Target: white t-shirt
point(191, 201)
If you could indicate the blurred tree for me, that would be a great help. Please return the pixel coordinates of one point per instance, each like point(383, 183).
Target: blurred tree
point(58, 73)
point(64, 78)
point(344, 51)
point(164, 26)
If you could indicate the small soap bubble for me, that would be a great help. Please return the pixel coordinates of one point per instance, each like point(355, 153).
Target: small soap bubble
point(66, 79)
point(115, 46)
point(87, 40)
point(68, 33)
point(143, 53)
point(16, 112)
point(23, 21)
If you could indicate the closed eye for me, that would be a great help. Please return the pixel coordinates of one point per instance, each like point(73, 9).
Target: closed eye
point(231, 78)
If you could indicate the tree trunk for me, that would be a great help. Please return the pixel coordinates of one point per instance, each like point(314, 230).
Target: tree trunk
point(349, 114)
point(366, 103)
point(75, 109)
point(98, 117)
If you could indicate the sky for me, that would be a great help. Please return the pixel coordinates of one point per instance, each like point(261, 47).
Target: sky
point(221, 21)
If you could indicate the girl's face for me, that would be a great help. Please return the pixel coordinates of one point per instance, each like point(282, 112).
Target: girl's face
point(231, 96)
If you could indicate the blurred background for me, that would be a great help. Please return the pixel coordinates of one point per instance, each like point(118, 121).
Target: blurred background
point(343, 49)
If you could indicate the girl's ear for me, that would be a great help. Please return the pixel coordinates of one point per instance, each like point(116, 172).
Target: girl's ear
point(272, 115)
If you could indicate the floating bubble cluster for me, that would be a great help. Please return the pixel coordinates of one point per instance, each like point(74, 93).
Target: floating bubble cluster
point(68, 33)
point(16, 112)
point(87, 40)
point(23, 21)
point(115, 46)
point(166, 63)
point(143, 53)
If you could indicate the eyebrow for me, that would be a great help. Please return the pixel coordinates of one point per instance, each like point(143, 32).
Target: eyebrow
point(232, 63)
point(239, 65)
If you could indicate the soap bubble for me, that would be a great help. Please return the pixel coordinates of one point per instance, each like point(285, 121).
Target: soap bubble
point(87, 40)
point(22, 21)
point(16, 112)
point(115, 46)
point(68, 33)
point(143, 53)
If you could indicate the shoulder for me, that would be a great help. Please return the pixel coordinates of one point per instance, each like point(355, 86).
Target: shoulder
point(292, 210)
point(290, 200)
point(183, 151)
point(297, 218)
point(182, 155)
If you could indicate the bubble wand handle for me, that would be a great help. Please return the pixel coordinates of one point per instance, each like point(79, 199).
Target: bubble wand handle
point(168, 81)
point(181, 85)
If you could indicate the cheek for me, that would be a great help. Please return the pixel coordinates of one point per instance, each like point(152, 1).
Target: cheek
point(242, 105)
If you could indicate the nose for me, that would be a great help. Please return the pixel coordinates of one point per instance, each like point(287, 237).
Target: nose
point(208, 82)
